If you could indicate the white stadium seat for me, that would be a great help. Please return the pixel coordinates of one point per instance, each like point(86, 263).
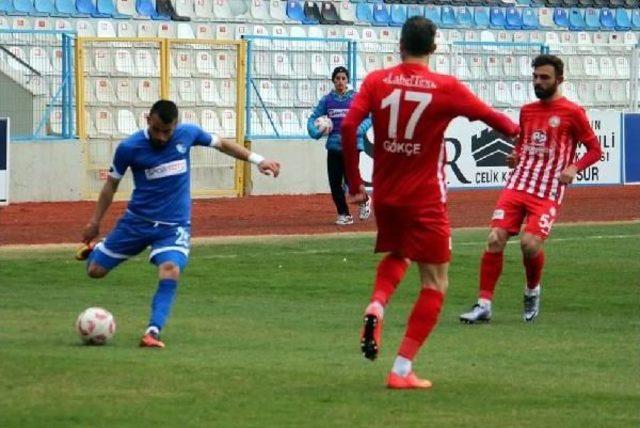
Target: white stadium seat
point(336, 60)
point(442, 64)
point(390, 60)
point(147, 63)
point(602, 93)
point(286, 92)
point(300, 64)
point(55, 121)
point(182, 63)
point(278, 11)
point(39, 59)
point(262, 63)
point(228, 123)
point(125, 29)
point(290, 123)
point(591, 66)
point(322, 89)
point(125, 92)
point(205, 64)
point(279, 31)
point(503, 94)
point(370, 40)
point(126, 122)
point(519, 94)
point(209, 93)
point(494, 66)
point(225, 65)
point(187, 91)
point(203, 10)
point(585, 93)
point(185, 8)
point(166, 30)
point(84, 28)
point(103, 61)
point(146, 30)
point(524, 65)
point(607, 69)
point(222, 9)
point(210, 121)
point(189, 116)
point(223, 32)
point(510, 66)
point(575, 67)
point(281, 65)
point(204, 32)
point(241, 30)
point(259, 10)
point(126, 7)
point(622, 67)
point(142, 119)
point(267, 92)
point(306, 96)
point(148, 91)
point(185, 31)
point(476, 67)
point(569, 91)
point(372, 62)
point(105, 29)
point(105, 125)
point(351, 33)
point(104, 92)
point(461, 70)
point(619, 92)
point(347, 11)
point(361, 70)
point(228, 92)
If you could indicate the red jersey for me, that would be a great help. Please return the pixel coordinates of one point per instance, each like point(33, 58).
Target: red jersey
point(411, 108)
point(550, 132)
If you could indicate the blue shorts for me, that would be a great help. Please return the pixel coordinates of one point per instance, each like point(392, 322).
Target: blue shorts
point(132, 235)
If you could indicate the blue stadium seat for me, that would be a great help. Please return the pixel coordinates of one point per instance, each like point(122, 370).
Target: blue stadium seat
point(107, 7)
point(67, 8)
point(144, 8)
point(635, 19)
point(623, 23)
point(312, 13)
point(398, 15)
point(380, 14)
point(295, 11)
point(6, 7)
point(45, 7)
point(530, 19)
point(607, 20)
point(514, 19)
point(465, 17)
point(449, 17)
point(23, 7)
point(364, 12)
point(415, 10)
point(592, 19)
point(560, 18)
point(433, 13)
point(523, 2)
point(481, 17)
point(497, 18)
point(576, 19)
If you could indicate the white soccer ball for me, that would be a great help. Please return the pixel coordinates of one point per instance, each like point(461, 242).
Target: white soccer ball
point(95, 326)
point(324, 125)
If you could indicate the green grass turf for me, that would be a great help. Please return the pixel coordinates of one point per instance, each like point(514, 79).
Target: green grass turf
point(266, 334)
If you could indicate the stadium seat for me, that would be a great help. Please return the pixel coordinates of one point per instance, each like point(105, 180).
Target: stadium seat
point(126, 7)
point(476, 67)
point(286, 92)
point(204, 32)
point(241, 30)
point(166, 30)
point(104, 123)
point(209, 94)
point(575, 67)
point(223, 32)
point(519, 94)
point(434, 14)
point(126, 122)
point(105, 29)
point(39, 59)
point(225, 65)
point(584, 42)
point(311, 13)
point(336, 60)
point(460, 69)
point(576, 20)
point(261, 64)
point(108, 8)
point(381, 15)
point(23, 7)
point(607, 69)
point(319, 67)
point(182, 64)
point(146, 30)
point(222, 10)
point(622, 67)
point(502, 95)
point(607, 20)
point(290, 124)
point(481, 17)
point(371, 62)
point(630, 39)
point(546, 18)
point(387, 35)
point(623, 22)
point(187, 92)
point(323, 87)
point(203, 10)
point(300, 63)
point(513, 19)
point(305, 95)
point(592, 19)
point(510, 66)
point(145, 9)
point(530, 19)
point(493, 66)
point(278, 11)
point(259, 10)
point(42, 7)
point(601, 93)
point(398, 15)
point(295, 11)
point(228, 123)
point(6, 7)
point(146, 63)
point(448, 18)
point(524, 66)
point(619, 92)
point(591, 66)
point(125, 93)
point(240, 10)
point(185, 31)
point(148, 91)
point(329, 15)
point(415, 10)
point(635, 19)
point(465, 17)
point(228, 92)
point(560, 18)
point(442, 64)
point(125, 29)
point(347, 11)
point(364, 13)
point(361, 71)
point(189, 116)
point(569, 91)
point(497, 18)
point(351, 33)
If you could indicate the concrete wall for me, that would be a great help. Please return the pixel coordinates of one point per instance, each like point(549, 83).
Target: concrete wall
point(54, 170)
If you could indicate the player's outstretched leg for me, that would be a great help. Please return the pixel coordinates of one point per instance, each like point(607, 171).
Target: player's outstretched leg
point(479, 313)
point(390, 272)
point(84, 251)
point(161, 305)
point(533, 261)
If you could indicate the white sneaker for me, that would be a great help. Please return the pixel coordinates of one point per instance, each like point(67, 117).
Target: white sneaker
point(365, 209)
point(531, 305)
point(477, 314)
point(344, 220)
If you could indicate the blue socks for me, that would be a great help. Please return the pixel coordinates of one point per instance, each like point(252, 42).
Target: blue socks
point(162, 302)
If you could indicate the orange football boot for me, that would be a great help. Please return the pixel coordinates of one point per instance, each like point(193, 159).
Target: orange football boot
point(410, 381)
point(151, 340)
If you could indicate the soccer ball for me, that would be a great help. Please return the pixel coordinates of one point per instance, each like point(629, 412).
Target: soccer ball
point(324, 124)
point(95, 326)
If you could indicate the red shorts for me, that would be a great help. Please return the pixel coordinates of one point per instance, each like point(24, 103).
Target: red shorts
point(421, 234)
point(515, 207)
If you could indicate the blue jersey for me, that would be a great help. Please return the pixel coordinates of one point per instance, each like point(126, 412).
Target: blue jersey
point(162, 176)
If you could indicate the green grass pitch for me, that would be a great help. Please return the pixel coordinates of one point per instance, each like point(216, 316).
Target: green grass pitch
point(266, 334)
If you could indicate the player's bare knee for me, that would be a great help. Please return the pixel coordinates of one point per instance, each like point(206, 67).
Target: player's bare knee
point(169, 271)
point(96, 271)
point(530, 245)
point(497, 240)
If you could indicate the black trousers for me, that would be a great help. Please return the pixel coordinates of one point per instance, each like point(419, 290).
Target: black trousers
point(337, 179)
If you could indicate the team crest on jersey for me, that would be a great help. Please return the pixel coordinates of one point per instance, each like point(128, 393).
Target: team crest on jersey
point(539, 137)
point(554, 121)
point(181, 148)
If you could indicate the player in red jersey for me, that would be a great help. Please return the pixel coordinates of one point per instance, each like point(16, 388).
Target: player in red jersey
point(411, 108)
point(544, 162)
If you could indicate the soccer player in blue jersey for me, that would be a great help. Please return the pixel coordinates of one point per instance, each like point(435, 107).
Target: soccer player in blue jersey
point(159, 212)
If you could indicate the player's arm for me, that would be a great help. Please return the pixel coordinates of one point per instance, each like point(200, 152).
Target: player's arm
point(473, 108)
point(121, 161)
point(585, 135)
point(229, 147)
point(514, 157)
point(359, 111)
point(92, 229)
point(320, 110)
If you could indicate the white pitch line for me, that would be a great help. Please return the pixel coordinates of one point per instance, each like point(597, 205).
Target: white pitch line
point(462, 244)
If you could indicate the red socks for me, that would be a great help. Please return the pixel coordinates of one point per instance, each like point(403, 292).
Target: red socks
point(490, 270)
point(422, 320)
point(533, 269)
point(390, 272)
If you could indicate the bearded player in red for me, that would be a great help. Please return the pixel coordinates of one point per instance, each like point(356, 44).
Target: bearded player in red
point(411, 108)
point(544, 162)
